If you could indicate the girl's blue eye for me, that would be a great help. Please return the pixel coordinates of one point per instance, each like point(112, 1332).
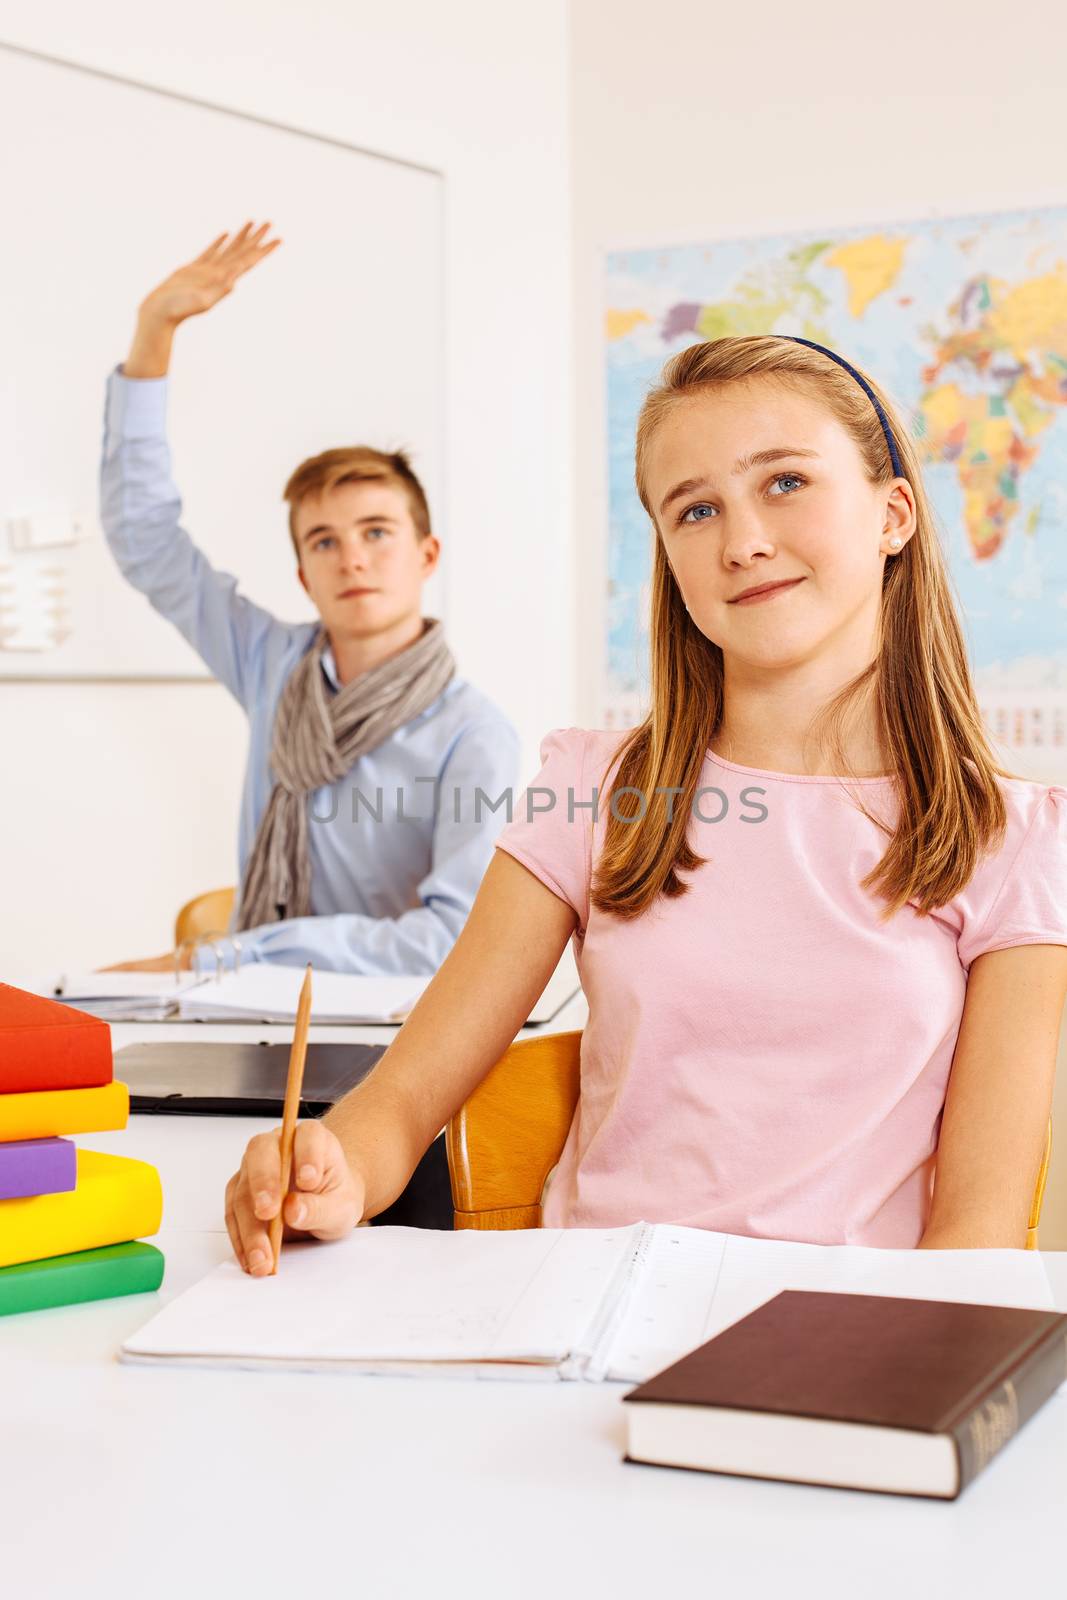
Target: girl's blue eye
point(787, 477)
point(376, 531)
point(702, 512)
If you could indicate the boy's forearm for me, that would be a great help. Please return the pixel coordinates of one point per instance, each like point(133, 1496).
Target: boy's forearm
point(149, 355)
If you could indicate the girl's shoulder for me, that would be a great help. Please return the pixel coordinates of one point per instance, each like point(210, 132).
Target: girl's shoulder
point(1024, 795)
point(578, 743)
point(1036, 819)
point(551, 826)
point(576, 761)
point(1018, 891)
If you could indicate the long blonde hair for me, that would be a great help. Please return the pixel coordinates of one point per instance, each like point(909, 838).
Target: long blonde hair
point(951, 808)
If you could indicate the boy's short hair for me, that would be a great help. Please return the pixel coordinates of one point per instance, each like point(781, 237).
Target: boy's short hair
point(357, 463)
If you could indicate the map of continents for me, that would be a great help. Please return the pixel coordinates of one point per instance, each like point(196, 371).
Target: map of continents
point(964, 321)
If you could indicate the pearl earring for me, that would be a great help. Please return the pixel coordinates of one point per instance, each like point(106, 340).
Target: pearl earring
point(895, 543)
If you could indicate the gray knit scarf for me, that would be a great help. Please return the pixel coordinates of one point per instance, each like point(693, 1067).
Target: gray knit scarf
point(318, 735)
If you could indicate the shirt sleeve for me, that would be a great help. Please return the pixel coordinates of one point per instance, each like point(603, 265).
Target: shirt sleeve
point(1020, 895)
point(551, 828)
point(481, 767)
point(140, 512)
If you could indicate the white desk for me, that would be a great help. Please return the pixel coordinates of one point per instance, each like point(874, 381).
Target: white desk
point(127, 1481)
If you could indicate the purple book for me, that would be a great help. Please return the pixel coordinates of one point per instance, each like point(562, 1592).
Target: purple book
point(37, 1166)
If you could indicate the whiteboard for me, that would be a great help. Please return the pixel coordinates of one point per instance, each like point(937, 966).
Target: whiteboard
point(336, 338)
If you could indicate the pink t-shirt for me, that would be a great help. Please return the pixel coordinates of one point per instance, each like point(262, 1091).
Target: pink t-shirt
point(761, 1056)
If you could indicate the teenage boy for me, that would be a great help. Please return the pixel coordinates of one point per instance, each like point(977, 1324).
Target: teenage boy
point(367, 817)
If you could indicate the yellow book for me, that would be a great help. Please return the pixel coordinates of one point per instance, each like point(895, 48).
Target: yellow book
point(44, 1113)
point(116, 1199)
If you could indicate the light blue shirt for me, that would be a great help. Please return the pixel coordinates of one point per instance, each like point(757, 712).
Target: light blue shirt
point(399, 845)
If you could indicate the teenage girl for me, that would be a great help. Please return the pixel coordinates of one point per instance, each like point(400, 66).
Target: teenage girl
point(822, 933)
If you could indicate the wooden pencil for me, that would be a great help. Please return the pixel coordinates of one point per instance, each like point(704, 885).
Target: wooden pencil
point(294, 1084)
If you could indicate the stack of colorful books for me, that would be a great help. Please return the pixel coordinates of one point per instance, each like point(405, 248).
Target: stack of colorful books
point(69, 1218)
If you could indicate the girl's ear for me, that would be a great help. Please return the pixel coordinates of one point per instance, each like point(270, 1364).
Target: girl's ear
point(900, 513)
point(303, 580)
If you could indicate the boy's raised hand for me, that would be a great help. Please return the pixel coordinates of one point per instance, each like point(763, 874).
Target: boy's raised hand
point(327, 1199)
point(209, 277)
point(192, 289)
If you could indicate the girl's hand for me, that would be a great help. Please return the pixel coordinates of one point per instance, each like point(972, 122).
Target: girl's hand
point(327, 1202)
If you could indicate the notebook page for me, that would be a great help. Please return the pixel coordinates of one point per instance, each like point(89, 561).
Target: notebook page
point(116, 996)
point(563, 1305)
point(122, 986)
point(398, 1294)
point(267, 992)
point(671, 1301)
point(718, 1283)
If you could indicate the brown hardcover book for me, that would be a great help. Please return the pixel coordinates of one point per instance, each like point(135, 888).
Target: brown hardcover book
point(46, 1045)
point(853, 1390)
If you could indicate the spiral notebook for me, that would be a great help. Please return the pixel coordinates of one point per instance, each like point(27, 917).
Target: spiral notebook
point(582, 1303)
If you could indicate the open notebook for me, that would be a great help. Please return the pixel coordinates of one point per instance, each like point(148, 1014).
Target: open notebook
point(591, 1303)
point(263, 992)
point(117, 996)
point(260, 992)
point(268, 992)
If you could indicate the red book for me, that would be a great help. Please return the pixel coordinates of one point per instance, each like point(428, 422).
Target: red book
point(46, 1045)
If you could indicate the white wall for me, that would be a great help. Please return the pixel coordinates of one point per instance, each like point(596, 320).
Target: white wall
point(692, 121)
point(119, 801)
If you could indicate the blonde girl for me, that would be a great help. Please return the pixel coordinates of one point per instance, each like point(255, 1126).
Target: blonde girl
point(822, 933)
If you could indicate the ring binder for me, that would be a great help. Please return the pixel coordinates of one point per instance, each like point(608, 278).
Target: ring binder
point(215, 941)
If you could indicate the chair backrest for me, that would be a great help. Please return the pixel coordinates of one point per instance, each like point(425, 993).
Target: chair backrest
point(204, 916)
point(506, 1138)
point(1039, 1191)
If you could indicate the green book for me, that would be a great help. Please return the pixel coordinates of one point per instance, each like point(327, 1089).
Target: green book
point(86, 1275)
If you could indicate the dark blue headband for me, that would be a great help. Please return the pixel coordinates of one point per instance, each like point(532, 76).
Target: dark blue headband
point(898, 470)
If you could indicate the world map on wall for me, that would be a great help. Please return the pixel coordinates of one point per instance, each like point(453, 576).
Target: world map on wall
point(964, 322)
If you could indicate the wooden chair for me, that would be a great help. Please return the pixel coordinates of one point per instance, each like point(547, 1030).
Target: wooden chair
point(505, 1140)
point(205, 916)
point(1039, 1191)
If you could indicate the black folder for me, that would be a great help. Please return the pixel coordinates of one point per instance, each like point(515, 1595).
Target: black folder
point(247, 1079)
point(242, 1079)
